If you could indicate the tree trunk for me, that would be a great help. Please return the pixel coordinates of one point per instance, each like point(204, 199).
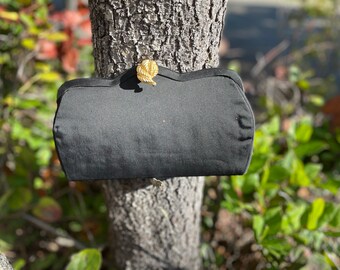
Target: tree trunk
point(155, 226)
point(4, 263)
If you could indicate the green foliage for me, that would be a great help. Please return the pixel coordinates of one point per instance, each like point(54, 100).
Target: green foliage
point(19, 264)
point(37, 205)
point(289, 197)
point(280, 192)
point(287, 193)
point(87, 259)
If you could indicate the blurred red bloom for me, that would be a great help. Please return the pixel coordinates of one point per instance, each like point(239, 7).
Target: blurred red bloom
point(47, 50)
point(68, 18)
point(70, 60)
point(76, 24)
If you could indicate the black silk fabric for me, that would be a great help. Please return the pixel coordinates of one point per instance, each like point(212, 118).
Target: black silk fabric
point(192, 124)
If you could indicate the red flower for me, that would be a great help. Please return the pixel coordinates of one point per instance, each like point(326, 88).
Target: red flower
point(70, 60)
point(69, 18)
point(47, 50)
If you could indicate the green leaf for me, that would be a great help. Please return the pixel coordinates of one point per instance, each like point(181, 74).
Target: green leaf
point(328, 260)
point(258, 225)
point(251, 182)
point(38, 183)
point(291, 221)
point(9, 15)
point(299, 176)
point(327, 215)
point(310, 148)
point(87, 259)
point(231, 201)
point(49, 76)
point(303, 84)
point(19, 198)
point(278, 173)
point(48, 209)
point(28, 103)
point(41, 13)
point(27, 19)
point(19, 264)
point(262, 142)
point(335, 222)
point(55, 36)
point(332, 185)
point(37, 143)
point(272, 127)
point(277, 247)
point(257, 163)
point(294, 73)
point(270, 191)
point(313, 170)
point(310, 238)
point(41, 66)
point(19, 132)
point(304, 132)
point(43, 156)
point(28, 43)
point(317, 100)
point(273, 217)
point(272, 213)
point(332, 234)
point(288, 160)
point(245, 183)
point(314, 215)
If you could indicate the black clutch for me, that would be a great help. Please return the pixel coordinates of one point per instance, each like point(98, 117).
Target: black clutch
point(192, 124)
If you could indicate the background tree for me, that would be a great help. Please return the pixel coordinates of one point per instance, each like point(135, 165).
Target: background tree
point(154, 227)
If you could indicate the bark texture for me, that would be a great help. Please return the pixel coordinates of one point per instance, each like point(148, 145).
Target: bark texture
point(153, 225)
point(4, 263)
point(182, 35)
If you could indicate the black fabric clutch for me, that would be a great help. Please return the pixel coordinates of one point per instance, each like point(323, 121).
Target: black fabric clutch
point(192, 124)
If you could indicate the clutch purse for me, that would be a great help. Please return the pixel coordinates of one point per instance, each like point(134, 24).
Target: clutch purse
point(192, 124)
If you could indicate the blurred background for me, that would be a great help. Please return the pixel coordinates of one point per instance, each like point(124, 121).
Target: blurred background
point(283, 214)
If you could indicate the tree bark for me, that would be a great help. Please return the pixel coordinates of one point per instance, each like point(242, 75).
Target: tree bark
point(155, 226)
point(4, 263)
